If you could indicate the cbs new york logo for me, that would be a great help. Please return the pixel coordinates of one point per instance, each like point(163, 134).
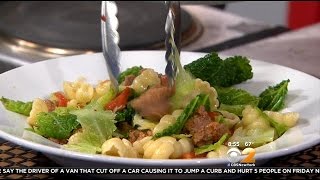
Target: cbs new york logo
point(238, 158)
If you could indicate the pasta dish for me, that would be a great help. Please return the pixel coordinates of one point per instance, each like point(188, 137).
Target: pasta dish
point(202, 116)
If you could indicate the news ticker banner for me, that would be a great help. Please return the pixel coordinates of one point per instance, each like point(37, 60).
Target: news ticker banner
point(229, 170)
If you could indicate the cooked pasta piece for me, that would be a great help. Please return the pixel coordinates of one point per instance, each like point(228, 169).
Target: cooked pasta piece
point(38, 106)
point(70, 88)
point(290, 119)
point(222, 151)
point(146, 79)
point(212, 154)
point(166, 148)
point(102, 88)
point(187, 145)
point(254, 129)
point(253, 121)
point(80, 90)
point(166, 121)
point(118, 147)
point(204, 87)
point(230, 118)
point(73, 103)
point(219, 153)
point(138, 145)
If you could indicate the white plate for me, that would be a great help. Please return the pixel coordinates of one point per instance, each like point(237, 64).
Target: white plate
point(40, 79)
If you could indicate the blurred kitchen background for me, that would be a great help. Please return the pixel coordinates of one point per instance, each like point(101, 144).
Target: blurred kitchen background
point(32, 31)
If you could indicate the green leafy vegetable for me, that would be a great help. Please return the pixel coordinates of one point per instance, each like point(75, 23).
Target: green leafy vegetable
point(253, 128)
point(185, 86)
point(218, 72)
point(256, 128)
point(135, 70)
point(20, 107)
point(235, 109)
point(181, 136)
point(102, 101)
point(64, 110)
point(239, 68)
point(184, 116)
point(125, 114)
point(83, 143)
point(245, 140)
point(279, 127)
point(272, 98)
point(56, 125)
point(233, 96)
point(234, 100)
point(220, 119)
point(211, 147)
point(97, 127)
point(143, 124)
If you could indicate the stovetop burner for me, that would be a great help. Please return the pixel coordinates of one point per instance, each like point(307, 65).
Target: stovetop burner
point(76, 24)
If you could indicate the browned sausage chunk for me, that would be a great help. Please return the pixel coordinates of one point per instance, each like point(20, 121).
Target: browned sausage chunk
point(203, 129)
point(135, 135)
point(128, 80)
point(154, 103)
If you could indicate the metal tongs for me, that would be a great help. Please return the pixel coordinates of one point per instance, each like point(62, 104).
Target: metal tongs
point(173, 39)
point(110, 39)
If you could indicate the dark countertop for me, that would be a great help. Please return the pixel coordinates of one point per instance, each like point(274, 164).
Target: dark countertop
point(297, 49)
point(230, 34)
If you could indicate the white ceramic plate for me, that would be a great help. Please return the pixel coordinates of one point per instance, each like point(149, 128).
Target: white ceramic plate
point(40, 79)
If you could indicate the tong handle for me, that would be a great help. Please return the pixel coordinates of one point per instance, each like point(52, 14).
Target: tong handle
point(110, 39)
point(173, 40)
point(174, 13)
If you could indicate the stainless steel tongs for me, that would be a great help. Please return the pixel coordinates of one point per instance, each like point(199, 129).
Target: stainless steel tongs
point(173, 38)
point(110, 39)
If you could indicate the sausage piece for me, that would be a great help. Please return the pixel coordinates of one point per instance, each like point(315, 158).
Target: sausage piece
point(203, 129)
point(154, 103)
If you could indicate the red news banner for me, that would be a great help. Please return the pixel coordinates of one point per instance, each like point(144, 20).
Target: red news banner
point(229, 170)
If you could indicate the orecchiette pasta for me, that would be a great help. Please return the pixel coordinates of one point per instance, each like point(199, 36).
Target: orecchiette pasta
point(80, 90)
point(146, 79)
point(118, 147)
point(166, 148)
point(166, 121)
point(289, 119)
point(218, 153)
point(38, 106)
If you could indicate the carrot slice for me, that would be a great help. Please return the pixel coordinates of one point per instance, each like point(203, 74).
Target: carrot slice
point(120, 101)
